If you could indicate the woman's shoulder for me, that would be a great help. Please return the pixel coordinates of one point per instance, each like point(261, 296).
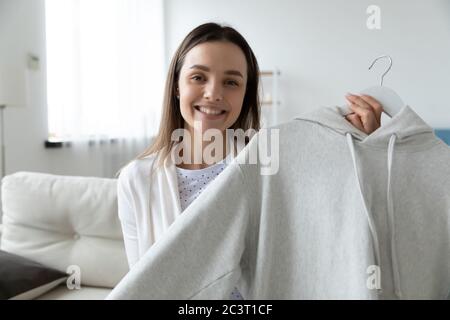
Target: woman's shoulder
point(141, 167)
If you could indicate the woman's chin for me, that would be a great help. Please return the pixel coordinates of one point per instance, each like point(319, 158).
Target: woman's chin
point(204, 125)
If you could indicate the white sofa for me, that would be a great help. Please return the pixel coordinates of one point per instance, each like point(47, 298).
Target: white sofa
point(63, 221)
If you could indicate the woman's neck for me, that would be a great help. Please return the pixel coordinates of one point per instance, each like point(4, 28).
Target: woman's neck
point(204, 153)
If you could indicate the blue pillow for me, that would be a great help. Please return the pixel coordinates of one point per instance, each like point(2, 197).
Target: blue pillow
point(444, 134)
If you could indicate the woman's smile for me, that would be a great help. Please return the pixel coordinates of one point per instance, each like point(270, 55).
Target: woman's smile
point(209, 113)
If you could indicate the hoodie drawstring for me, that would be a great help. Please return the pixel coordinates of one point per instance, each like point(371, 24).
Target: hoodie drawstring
point(390, 208)
point(372, 226)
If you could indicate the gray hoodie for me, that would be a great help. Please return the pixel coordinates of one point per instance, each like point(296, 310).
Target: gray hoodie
point(347, 216)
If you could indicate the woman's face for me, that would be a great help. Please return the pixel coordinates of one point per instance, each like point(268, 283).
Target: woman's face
point(212, 85)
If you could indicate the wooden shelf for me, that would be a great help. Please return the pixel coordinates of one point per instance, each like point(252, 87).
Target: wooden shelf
point(267, 73)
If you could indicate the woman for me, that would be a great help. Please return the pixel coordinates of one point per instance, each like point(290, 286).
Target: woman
point(212, 84)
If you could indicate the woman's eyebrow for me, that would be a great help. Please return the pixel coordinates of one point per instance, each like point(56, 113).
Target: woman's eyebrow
point(235, 73)
point(206, 69)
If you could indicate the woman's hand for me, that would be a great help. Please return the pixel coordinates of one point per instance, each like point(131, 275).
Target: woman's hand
point(366, 114)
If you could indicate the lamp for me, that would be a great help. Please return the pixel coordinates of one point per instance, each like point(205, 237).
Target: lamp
point(12, 94)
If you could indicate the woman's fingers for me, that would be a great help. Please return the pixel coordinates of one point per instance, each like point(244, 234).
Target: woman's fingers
point(355, 120)
point(367, 118)
point(367, 109)
point(357, 100)
point(376, 106)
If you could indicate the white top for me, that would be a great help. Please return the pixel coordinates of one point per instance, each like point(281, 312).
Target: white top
point(192, 182)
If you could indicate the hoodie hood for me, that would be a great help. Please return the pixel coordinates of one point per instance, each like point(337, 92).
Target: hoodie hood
point(406, 125)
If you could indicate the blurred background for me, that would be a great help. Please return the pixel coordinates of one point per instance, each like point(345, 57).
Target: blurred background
point(82, 80)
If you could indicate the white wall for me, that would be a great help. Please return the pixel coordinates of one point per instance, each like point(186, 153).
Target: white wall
point(25, 128)
point(324, 48)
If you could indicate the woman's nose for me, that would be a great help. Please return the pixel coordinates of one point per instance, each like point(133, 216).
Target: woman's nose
point(213, 92)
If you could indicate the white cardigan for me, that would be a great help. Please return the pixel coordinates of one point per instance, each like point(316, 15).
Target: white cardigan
point(148, 202)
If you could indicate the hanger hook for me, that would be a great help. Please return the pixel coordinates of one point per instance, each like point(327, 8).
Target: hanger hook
point(389, 68)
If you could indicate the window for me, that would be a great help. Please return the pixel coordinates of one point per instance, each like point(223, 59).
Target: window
point(105, 68)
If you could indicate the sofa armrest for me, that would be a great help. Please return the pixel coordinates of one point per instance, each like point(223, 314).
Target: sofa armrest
point(67, 223)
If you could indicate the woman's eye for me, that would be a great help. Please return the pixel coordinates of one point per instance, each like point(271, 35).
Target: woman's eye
point(232, 83)
point(197, 78)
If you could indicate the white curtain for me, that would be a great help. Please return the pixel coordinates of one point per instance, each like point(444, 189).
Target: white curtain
point(105, 74)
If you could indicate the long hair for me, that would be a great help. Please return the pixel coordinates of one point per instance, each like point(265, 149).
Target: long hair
point(171, 118)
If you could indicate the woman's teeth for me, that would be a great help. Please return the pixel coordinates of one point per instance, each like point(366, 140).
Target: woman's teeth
point(210, 110)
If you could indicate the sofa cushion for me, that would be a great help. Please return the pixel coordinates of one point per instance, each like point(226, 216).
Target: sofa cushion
point(67, 223)
point(22, 278)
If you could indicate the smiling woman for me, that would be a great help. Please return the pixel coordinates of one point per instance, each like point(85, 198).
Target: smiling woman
point(212, 84)
point(213, 80)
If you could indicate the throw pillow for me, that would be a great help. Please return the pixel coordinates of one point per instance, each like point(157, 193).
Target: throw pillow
point(22, 278)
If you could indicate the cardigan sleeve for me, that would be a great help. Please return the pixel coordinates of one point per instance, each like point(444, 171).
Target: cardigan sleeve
point(127, 217)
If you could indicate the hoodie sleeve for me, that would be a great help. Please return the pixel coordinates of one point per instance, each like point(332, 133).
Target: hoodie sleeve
point(202, 253)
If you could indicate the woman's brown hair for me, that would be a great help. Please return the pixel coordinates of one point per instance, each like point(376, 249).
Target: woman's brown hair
point(171, 118)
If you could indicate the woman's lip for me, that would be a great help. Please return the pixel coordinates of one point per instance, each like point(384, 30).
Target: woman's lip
point(209, 116)
point(210, 107)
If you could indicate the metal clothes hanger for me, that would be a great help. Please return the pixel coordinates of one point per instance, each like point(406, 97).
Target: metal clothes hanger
point(388, 98)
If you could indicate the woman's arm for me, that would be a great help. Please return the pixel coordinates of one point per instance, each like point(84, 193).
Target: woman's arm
point(127, 220)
